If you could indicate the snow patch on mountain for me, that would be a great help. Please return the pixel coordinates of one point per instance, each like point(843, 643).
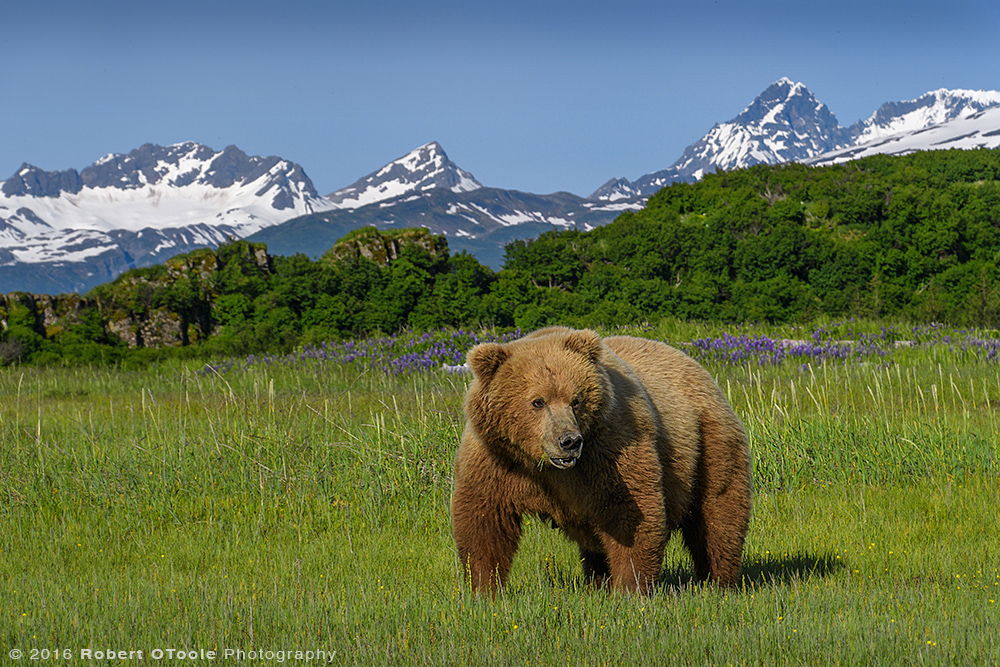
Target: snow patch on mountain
point(933, 108)
point(979, 130)
point(617, 189)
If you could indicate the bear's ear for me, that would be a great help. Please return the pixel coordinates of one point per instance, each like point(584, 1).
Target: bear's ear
point(485, 359)
point(585, 342)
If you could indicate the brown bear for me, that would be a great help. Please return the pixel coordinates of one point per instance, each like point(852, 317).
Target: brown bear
point(618, 441)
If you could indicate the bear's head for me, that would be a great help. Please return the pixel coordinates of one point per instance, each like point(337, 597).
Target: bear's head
point(538, 399)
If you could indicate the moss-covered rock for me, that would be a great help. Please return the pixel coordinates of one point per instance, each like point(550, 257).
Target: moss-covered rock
point(384, 246)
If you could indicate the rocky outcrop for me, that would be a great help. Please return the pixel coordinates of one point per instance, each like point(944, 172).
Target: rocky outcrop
point(381, 246)
point(26, 319)
point(45, 314)
point(167, 305)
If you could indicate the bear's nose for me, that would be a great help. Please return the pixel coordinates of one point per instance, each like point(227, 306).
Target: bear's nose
point(571, 443)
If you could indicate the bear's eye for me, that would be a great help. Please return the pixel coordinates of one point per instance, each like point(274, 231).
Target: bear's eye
point(575, 404)
point(538, 403)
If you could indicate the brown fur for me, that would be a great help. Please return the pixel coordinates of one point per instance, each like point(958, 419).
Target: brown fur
point(661, 450)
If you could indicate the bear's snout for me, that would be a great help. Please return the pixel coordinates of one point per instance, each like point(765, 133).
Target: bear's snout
point(571, 443)
point(570, 446)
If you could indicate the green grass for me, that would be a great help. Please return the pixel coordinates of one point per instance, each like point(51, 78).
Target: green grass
point(283, 509)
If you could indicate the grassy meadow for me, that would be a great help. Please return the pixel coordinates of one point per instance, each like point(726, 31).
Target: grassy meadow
point(281, 506)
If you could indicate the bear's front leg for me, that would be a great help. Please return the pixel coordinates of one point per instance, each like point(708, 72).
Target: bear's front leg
point(487, 536)
point(636, 566)
point(633, 571)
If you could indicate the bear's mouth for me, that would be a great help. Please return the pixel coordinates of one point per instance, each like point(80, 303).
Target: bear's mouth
point(563, 464)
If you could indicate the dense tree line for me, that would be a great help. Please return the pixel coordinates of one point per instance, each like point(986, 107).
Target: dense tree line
point(914, 237)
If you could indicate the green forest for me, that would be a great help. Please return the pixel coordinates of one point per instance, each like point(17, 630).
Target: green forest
point(914, 237)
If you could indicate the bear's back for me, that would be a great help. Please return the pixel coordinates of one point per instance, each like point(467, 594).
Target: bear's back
point(673, 380)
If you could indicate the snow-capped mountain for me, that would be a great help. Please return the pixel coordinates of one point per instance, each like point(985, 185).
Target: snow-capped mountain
point(786, 123)
point(138, 209)
point(418, 171)
point(980, 130)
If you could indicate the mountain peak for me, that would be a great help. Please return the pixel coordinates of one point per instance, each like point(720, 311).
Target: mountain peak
point(785, 122)
point(423, 168)
point(30, 181)
point(784, 88)
point(785, 102)
point(418, 158)
point(781, 90)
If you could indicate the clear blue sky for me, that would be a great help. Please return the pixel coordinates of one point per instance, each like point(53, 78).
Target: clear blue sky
point(530, 95)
